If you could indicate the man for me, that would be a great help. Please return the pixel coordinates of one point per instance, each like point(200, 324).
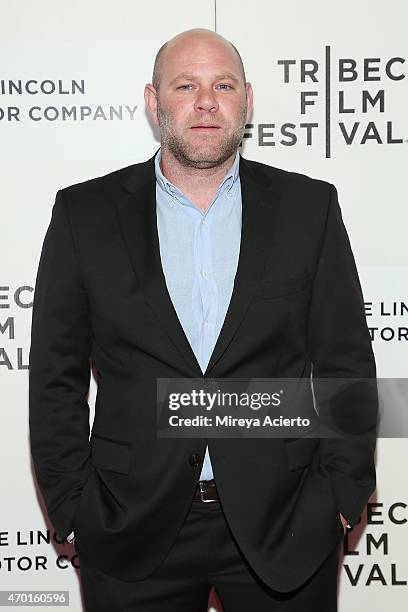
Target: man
point(196, 263)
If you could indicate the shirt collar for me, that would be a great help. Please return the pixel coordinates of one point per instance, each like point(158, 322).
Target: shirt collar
point(227, 183)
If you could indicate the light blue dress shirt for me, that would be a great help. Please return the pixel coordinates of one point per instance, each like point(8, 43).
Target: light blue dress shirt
point(199, 254)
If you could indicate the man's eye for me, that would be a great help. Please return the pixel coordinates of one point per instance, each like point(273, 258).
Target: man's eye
point(225, 86)
point(184, 86)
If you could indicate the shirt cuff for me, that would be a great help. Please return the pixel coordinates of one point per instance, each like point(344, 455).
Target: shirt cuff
point(70, 538)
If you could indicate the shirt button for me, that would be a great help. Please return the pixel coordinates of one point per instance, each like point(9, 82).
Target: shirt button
point(206, 323)
point(204, 274)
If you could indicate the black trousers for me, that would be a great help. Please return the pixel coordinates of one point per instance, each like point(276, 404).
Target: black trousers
point(206, 555)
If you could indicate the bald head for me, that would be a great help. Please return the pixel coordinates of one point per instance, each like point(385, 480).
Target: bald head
point(200, 100)
point(189, 40)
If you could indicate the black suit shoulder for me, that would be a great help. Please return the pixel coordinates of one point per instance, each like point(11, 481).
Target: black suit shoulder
point(274, 176)
point(107, 181)
point(303, 198)
point(95, 198)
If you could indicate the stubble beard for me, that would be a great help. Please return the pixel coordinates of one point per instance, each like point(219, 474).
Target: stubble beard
point(189, 156)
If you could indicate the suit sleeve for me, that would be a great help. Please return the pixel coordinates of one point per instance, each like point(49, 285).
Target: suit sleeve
point(340, 348)
point(60, 373)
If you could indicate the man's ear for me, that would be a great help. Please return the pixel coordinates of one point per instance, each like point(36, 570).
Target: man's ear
point(250, 101)
point(150, 96)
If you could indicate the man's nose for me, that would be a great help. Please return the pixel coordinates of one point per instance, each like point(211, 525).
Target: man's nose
point(206, 100)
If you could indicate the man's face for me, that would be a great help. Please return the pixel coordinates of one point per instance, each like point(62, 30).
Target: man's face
point(203, 103)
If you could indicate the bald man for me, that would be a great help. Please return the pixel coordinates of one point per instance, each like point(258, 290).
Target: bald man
point(196, 264)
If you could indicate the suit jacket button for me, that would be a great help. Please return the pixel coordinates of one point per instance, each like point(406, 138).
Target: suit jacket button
point(194, 460)
point(208, 382)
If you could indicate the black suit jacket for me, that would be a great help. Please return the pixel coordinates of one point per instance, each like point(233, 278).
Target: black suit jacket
point(101, 295)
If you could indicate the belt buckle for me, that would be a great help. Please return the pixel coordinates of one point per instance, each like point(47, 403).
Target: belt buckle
point(202, 491)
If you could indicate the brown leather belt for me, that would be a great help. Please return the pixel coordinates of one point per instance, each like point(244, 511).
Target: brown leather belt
point(206, 491)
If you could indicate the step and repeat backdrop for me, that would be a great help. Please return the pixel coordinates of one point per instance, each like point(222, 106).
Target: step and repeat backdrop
point(330, 84)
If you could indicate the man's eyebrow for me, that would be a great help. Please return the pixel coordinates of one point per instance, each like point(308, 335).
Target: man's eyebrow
point(227, 75)
point(188, 76)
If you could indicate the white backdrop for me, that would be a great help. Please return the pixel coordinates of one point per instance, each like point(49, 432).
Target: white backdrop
point(81, 114)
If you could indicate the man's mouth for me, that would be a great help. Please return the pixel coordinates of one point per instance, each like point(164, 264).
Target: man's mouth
point(204, 127)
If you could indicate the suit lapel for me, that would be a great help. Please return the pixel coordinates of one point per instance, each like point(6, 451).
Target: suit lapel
point(258, 212)
point(137, 218)
point(138, 222)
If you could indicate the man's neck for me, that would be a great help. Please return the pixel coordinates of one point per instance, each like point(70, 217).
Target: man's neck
point(198, 184)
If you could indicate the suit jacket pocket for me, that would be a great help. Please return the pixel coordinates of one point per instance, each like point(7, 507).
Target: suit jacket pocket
point(300, 452)
point(110, 454)
point(270, 289)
